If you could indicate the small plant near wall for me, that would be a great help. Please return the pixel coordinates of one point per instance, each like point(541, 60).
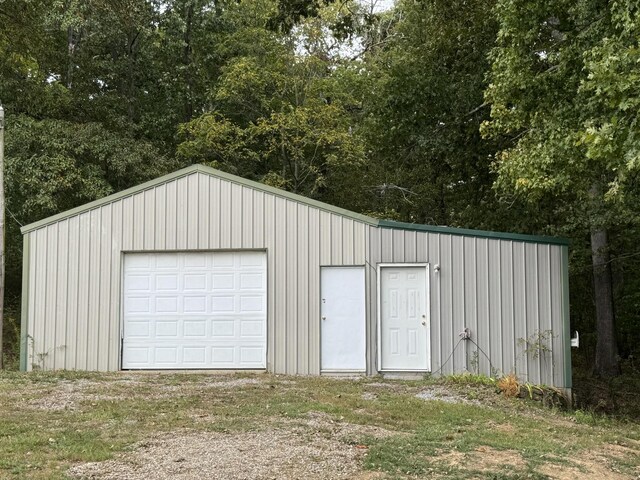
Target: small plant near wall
point(474, 362)
point(537, 344)
point(39, 358)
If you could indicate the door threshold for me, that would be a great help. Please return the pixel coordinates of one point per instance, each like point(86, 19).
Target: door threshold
point(404, 375)
point(343, 373)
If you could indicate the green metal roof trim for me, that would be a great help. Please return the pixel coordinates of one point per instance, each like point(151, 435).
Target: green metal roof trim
point(291, 196)
point(474, 233)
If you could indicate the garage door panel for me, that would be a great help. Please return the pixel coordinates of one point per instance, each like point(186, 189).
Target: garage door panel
point(194, 310)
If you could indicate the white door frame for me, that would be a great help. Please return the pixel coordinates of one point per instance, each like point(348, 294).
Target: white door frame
point(427, 300)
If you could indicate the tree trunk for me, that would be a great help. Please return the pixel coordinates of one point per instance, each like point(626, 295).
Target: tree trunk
point(606, 347)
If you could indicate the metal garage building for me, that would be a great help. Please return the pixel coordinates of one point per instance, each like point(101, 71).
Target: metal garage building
point(205, 270)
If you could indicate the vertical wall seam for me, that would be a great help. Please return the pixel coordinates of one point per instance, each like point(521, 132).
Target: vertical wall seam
point(451, 304)
point(488, 279)
point(526, 319)
point(66, 294)
point(54, 308)
point(110, 296)
point(501, 311)
point(513, 308)
point(536, 272)
point(550, 311)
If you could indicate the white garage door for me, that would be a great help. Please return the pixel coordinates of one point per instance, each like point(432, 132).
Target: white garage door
point(187, 310)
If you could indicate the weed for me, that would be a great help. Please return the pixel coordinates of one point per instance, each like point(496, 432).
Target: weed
point(536, 345)
point(509, 386)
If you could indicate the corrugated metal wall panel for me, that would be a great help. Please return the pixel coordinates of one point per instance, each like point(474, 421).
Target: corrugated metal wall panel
point(502, 290)
point(149, 233)
point(247, 219)
point(214, 226)
point(445, 279)
point(61, 300)
point(93, 307)
point(520, 307)
point(270, 243)
point(313, 341)
point(302, 283)
point(83, 292)
point(289, 342)
point(434, 257)
point(471, 301)
point(72, 294)
point(458, 302)
point(280, 295)
point(531, 302)
point(183, 214)
point(495, 306)
point(236, 218)
point(482, 334)
point(38, 320)
point(192, 212)
point(506, 307)
point(116, 265)
point(204, 212)
point(104, 289)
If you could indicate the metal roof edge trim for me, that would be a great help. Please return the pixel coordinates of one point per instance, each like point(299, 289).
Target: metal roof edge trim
point(188, 171)
point(474, 233)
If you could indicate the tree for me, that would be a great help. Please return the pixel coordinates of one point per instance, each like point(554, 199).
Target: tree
point(279, 113)
point(423, 112)
point(564, 87)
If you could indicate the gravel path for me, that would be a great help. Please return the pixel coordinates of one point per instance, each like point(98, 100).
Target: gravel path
point(283, 453)
point(316, 446)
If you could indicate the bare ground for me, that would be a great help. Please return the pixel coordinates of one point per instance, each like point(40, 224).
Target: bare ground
point(315, 446)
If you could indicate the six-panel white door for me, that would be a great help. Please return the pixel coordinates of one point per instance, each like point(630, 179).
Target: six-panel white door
point(342, 323)
point(404, 318)
point(190, 310)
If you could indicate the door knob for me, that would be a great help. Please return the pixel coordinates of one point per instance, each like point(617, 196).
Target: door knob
point(424, 322)
point(324, 317)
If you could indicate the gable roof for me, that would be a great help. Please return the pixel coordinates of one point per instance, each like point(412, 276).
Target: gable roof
point(291, 196)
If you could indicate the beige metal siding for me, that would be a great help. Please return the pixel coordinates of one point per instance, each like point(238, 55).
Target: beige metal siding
point(506, 292)
point(75, 266)
point(503, 290)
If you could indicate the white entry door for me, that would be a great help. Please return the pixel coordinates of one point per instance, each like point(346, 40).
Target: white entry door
point(343, 316)
point(189, 310)
point(404, 318)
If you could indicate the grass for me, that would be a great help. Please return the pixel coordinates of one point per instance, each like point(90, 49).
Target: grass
point(51, 421)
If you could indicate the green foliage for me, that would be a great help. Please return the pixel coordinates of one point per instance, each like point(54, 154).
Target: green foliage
point(279, 116)
point(563, 90)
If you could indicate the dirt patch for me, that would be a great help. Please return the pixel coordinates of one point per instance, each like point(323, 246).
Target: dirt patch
point(279, 453)
point(483, 459)
point(594, 464)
